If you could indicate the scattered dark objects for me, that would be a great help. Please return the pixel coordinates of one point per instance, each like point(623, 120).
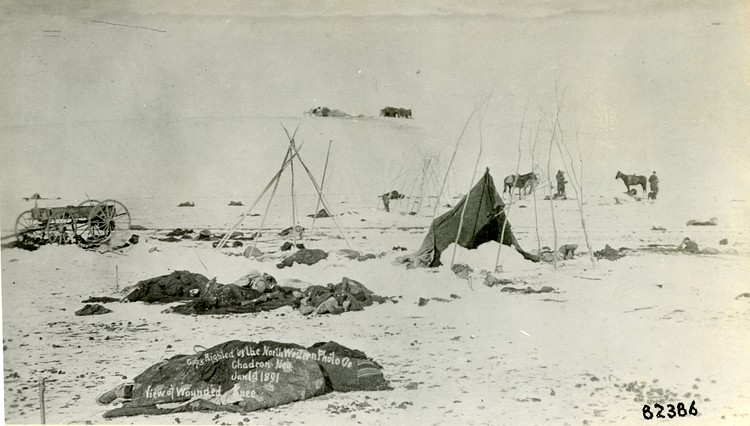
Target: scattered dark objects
point(251, 252)
point(186, 204)
point(168, 288)
point(564, 252)
point(690, 246)
point(658, 228)
point(711, 222)
point(204, 235)
point(395, 112)
point(304, 256)
point(491, 281)
point(462, 270)
point(35, 196)
point(356, 255)
point(179, 232)
point(256, 292)
point(290, 230)
point(138, 228)
point(202, 380)
point(134, 239)
point(320, 214)
point(422, 301)
point(94, 309)
point(723, 242)
point(527, 290)
point(399, 248)
point(743, 295)
point(609, 253)
point(328, 112)
point(348, 295)
point(287, 246)
point(395, 195)
point(236, 203)
point(236, 244)
point(170, 239)
point(100, 300)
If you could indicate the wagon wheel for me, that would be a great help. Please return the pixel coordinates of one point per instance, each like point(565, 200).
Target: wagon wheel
point(105, 218)
point(58, 226)
point(89, 203)
point(82, 222)
point(28, 228)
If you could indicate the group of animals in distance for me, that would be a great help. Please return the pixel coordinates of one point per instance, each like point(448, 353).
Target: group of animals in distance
point(528, 181)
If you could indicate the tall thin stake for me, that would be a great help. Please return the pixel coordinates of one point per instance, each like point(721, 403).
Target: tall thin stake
point(41, 401)
point(453, 157)
point(510, 199)
point(273, 180)
point(294, 207)
point(268, 207)
point(317, 188)
point(468, 194)
point(322, 182)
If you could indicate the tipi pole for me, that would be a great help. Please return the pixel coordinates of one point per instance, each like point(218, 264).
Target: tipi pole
point(322, 183)
point(294, 208)
point(510, 199)
point(287, 159)
point(450, 164)
point(317, 188)
point(268, 207)
point(468, 194)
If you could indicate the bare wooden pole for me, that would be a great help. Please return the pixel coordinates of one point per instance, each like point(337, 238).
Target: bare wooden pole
point(453, 157)
point(273, 180)
point(317, 188)
point(510, 199)
point(294, 208)
point(42, 414)
point(268, 207)
point(468, 194)
point(322, 183)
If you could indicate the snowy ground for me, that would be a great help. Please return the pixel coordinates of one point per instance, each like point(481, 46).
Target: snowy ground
point(652, 326)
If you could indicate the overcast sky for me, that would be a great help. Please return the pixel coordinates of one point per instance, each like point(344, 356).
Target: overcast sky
point(127, 98)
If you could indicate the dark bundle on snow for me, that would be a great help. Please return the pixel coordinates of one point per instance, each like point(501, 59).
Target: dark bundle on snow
point(303, 257)
point(243, 376)
point(321, 213)
point(168, 288)
point(94, 309)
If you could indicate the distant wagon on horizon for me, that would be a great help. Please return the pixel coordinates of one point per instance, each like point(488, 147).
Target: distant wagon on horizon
point(395, 112)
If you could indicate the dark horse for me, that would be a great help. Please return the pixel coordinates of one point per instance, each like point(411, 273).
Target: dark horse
point(632, 180)
point(525, 182)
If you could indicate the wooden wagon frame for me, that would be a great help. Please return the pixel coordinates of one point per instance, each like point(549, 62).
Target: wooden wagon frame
point(89, 223)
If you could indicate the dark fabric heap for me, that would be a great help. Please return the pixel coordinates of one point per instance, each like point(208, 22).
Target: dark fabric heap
point(94, 309)
point(348, 295)
point(168, 288)
point(241, 376)
point(303, 257)
point(253, 292)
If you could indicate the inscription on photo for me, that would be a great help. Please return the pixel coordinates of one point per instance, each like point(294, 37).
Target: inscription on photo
point(669, 411)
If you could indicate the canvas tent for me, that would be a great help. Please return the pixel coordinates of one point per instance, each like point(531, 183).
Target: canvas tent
point(483, 221)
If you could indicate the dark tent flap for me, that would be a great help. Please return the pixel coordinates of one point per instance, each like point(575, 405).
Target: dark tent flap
point(483, 220)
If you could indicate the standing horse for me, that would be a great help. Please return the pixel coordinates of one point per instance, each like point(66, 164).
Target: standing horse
point(632, 180)
point(527, 182)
